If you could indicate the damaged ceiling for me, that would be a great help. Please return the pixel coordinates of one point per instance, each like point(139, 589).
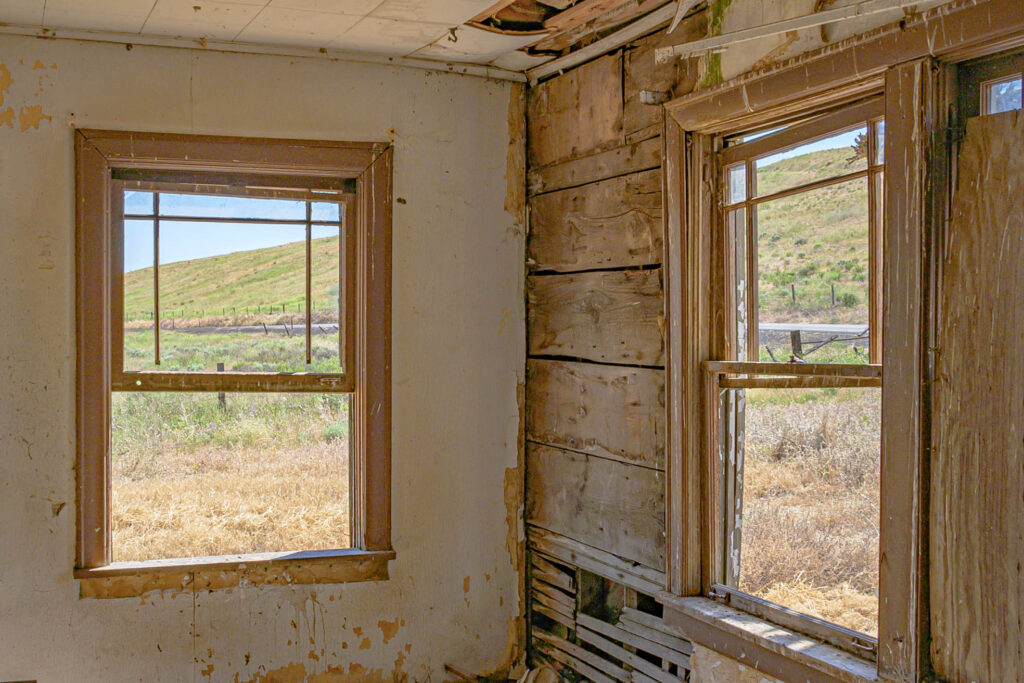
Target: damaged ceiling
point(514, 35)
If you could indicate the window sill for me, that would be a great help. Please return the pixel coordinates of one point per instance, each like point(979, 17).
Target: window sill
point(770, 649)
point(135, 579)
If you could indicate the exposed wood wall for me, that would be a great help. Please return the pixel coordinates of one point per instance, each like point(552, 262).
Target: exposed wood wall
point(595, 395)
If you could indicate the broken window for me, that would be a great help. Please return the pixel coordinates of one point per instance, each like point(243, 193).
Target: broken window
point(223, 402)
point(798, 407)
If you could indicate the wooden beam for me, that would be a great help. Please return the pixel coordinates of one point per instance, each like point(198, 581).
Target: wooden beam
point(717, 43)
point(616, 40)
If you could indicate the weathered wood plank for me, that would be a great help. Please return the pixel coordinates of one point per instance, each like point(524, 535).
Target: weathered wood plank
point(552, 604)
point(607, 224)
point(563, 599)
point(641, 72)
point(639, 156)
point(606, 504)
point(622, 654)
point(629, 638)
point(549, 572)
point(977, 522)
point(652, 628)
point(611, 411)
point(611, 317)
point(576, 113)
point(569, 551)
point(554, 616)
point(579, 660)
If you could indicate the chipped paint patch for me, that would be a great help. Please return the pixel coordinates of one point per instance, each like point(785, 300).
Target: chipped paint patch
point(388, 629)
point(7, 117)
point(293, 673)
point(365, 645)
point(5, 82)
point(515, 172)
point(30, 116)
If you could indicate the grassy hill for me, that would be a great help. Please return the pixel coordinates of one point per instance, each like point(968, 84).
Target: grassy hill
point(227, 284)
point(813, 241)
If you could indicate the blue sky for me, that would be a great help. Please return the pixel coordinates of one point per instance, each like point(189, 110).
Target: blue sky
point(186, 240)
point(836, 142)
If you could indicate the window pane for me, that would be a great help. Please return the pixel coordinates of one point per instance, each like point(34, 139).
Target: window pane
point(138, 203)
point(810, 502)
point(194, 476)
point(828, 158)
point(880, 143)
point(138, 294)
point(325, 291)
point(812, 251)
point(326, 211)
point(1002, 95)
point(737, 184)
point(738, 230)
point(217, 206)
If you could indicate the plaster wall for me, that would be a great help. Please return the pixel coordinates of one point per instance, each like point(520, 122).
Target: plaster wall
point(454, 592)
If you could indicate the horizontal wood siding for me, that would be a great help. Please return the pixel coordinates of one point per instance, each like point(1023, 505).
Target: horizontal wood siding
point(615, 412)
point(599, 502)
point(602, 316)
point(608, 224)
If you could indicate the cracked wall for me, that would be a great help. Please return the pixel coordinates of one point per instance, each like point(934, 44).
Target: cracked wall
point(457, 365)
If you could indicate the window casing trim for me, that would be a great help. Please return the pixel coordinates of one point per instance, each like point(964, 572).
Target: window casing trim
point(367, 167)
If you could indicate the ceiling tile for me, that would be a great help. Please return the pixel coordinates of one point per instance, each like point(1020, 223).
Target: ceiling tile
point(125, 16)
point(520, 61)
point(24, 12)
point(296, 27)
point(384, 36)
point(199, 19)
point(451, 12)
point(474, 45)
point(356, 7)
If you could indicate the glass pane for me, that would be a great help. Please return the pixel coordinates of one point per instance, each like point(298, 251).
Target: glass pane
point(326, 211)
point(812, 259)
point(217, 206)
point(828, 158)
point(325, 291)
point(737, 184)
point(230, 294)
point(139, 350)
point(138, 203)
point(1002, 95)
point(880, 143)
point(194, 474)
point(810, 502)
point(738, 230)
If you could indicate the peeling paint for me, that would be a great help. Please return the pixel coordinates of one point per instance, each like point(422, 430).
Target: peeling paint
point(388, 629)
point(7, 116)
point(5, 82)
point(30, 116)
point(365, 645)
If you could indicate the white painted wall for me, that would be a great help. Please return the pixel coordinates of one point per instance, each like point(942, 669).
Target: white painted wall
point(458, 359)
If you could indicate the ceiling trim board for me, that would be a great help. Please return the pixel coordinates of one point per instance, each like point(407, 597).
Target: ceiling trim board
point(463, 69)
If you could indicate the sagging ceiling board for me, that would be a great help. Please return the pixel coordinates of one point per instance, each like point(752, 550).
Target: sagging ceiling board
point(511, 35)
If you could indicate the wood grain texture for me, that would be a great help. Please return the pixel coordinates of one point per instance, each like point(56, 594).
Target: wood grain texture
point(610, 317)
point(576, 113)
point(640, 72)
point(611, 411)
point(633, 157)
point(977, 548)
point(607, 224)
point(603, 503)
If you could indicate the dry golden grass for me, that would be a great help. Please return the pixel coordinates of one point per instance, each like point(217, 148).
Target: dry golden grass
point(811, 504)
point(218, 502)
point(266, 473)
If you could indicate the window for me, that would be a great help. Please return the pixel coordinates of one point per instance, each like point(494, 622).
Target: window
point(233, 315)
point(795, 414)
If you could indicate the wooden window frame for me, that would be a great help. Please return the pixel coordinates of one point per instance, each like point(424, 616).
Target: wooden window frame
point(910, 64)
point(109, 160)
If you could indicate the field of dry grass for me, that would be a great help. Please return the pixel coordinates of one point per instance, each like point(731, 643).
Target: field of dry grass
point(811, 502)
point(265, 473)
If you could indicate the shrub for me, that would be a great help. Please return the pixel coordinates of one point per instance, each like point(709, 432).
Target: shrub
point(848, 300)
point(336, 431)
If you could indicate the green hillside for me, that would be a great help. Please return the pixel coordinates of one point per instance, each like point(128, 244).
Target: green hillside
point(229, 284)
point(810, 242)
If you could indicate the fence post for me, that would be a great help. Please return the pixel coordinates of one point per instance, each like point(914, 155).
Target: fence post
point(833, 295)
point(796, 343)
point(221, 397)
point(792, 291)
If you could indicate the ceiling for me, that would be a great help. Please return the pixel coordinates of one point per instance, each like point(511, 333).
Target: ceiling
point(418, 29)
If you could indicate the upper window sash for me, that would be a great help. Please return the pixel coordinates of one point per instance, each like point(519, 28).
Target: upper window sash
point(305, 189)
